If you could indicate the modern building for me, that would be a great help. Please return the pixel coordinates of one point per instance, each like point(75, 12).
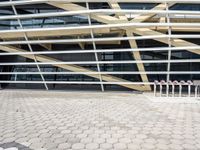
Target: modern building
point(98, 44)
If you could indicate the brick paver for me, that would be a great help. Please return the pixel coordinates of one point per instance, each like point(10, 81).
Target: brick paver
point(93, 120)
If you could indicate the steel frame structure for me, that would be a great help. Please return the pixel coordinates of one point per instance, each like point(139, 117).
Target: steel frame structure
point(142, 26)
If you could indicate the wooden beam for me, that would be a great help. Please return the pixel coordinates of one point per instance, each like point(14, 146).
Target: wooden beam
point(136, 55)
point(146, 31)
point(176, 29)
point(140, 31)
point(141, 18)
point(102, 18)
point(73, 68)
point(46, 46)
point(106, 19)
point(45, 34)
point(175, 20)
point(144, 17)
point(52, 33)
point(175, 42)
point(74, 7)
point(106, 42)
point(82, 45)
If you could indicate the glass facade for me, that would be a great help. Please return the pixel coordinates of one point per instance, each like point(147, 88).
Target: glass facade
point(91, 45)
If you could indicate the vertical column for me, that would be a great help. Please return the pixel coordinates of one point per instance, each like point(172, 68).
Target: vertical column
point(94, 47)
point(169, 51)
point(196, 91)
point(30, 47)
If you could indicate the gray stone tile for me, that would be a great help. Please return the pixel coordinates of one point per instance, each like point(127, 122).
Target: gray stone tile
point(78, 146)
point(63, 120)
point(92, 146)
point(106, 146)
point(64, 146)
point(132, 146)
point(120, 146)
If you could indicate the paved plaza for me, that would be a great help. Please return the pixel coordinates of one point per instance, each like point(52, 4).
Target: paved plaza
point(39, 120)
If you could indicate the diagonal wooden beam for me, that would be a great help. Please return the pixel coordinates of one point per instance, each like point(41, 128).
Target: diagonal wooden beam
point(105, 18)
point(81, 44)
point(144, 17)
point(129, 32)
point(133, 44)
point(139, 31)
point(74, 7)
point(109, 19)
point(47, 46)
point(175, 42)
point(147, 31)
point(73, 68)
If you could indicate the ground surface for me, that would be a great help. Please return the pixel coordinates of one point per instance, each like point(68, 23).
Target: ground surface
point(91, 120)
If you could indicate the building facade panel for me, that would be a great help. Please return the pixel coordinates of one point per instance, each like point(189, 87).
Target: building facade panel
point(98, 45)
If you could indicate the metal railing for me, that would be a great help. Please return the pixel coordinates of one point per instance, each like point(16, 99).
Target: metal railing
point(172, 92)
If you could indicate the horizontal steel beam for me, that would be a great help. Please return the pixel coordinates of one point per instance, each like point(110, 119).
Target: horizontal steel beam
point(180, 36)
point(104, 62)
point(28, 2)
point(79, 82)
point(97, 11)
point(85, 73)
point(160, 49)
point(117, 25)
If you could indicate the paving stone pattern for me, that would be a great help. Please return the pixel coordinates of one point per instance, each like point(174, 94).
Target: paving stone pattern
point(41, 120)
